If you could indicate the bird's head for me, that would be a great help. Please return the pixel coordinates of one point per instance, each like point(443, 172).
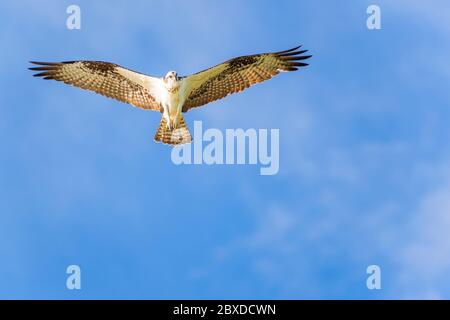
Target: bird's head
point(171, 80)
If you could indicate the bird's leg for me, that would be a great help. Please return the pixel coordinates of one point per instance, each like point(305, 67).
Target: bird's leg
point(177, 118)
point(172, 123)
point(167, 117)
point(174, 120)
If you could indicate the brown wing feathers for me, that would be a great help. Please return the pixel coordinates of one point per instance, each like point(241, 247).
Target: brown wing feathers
point(98, 76)
point(241, 73)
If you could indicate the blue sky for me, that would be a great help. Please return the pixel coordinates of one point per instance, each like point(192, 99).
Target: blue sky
point(364, 155)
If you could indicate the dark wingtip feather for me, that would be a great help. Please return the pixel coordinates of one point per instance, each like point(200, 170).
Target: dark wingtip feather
point(292, 58)
point(296, 58)
point(304, 57)
point(293, 53)
point(299, 64)
point(42, 74)
point(44, 63)
point(289, 50)
point(39, 68)
point(46, 69)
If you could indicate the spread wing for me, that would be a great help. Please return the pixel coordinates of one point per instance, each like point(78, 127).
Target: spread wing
point(238, 74)
point(107, 79)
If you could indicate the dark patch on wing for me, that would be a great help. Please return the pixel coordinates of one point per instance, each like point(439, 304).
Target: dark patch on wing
point(240, 62)
point(100, 66)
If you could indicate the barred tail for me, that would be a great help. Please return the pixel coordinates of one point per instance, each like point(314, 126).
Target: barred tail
point(176, 136)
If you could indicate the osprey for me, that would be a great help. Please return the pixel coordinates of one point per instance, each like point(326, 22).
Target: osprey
point(172, 95)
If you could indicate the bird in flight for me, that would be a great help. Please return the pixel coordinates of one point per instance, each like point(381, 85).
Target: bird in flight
point(172, 95)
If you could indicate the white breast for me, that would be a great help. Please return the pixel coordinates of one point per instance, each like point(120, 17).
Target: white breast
point(174, 100)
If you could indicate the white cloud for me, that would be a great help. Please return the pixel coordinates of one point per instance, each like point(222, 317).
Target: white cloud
point(423, 256)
